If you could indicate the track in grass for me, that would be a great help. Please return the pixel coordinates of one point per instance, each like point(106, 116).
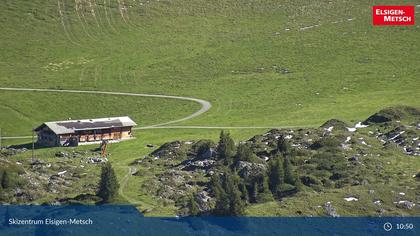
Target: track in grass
point(205, 105)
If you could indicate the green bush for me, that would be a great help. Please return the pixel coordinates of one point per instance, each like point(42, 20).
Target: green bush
point(310, 180)
point(329, 161)
point(329, 142)
point(202, 146)
point(7, 180)
point(286, 190)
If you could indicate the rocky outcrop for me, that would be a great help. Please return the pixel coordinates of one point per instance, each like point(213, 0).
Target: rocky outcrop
point(248, 170)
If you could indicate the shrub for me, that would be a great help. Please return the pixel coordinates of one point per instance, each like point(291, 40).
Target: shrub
point(286, 190)
point(329, 142)
point(264, 194)
point(309, 180)
point(202, 146)
point(6, 180)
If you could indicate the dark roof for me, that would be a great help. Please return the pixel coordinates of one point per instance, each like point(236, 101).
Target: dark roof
point(70, 126)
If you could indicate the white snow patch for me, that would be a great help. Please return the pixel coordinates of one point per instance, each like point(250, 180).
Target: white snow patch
point(347, 139)
point(351, 129)
point(350, 199)
point(62, 172)
point(405, 201)
point(329, 129)
point(364, 143)
point(288, 136)
point(360, 125)
point(402, 194)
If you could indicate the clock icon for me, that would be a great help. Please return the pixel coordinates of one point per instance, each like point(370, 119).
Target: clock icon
point(387, 226)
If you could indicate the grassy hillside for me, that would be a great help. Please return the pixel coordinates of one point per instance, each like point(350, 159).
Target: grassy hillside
point(369, 164)
point(259, 63)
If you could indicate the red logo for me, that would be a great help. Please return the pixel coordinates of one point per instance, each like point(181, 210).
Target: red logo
point(393, 15)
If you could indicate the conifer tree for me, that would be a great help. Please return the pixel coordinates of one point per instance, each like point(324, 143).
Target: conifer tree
point(264, 193)
point(227, 194)
point(244, 152)
point(5, 180)
point(108, 185)
point(193, 206)
point(289, 176)
point(244, 192)
point(283, 146)
point(226, 147)
point(254, 193)
point(222, 203)
point(236, 205)
point(275, 174)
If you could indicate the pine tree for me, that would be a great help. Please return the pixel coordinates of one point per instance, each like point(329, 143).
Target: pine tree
point(244, 152)
point(275, 174)
point(283, 146)
point(254, 193)
point(5, 180)
point(289, 176)
point(108, 185)
point(244, 192)
point(264, 193)
point(227, 194)
point(222, 202)
point(236, 205)
point(193, 206)
point(226, 147)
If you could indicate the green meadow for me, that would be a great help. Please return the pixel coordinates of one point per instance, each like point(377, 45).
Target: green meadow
point(254, 61)
point(259, 63)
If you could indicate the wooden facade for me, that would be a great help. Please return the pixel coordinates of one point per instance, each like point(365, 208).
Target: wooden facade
point(73, 133)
